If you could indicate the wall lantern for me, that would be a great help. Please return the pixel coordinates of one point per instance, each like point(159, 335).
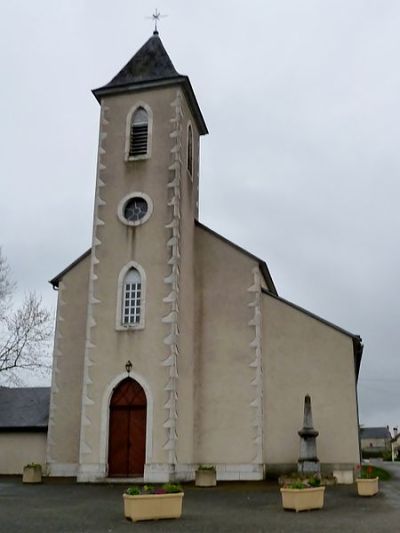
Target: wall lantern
point(128, 366)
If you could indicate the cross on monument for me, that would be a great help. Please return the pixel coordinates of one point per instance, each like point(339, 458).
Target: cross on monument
point(156, 17)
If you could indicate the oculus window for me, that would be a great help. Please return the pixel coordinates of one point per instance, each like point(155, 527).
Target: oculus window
point(135, 209)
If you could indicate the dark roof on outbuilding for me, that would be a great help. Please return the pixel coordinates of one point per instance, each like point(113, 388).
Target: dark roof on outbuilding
point(375, 433)
point(24, 408)
point(151, 66)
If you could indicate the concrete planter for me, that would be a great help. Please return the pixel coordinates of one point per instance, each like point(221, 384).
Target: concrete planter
point(367, 487)
point(303, 499)
point(32, 474)
point(206, 478)
point(153, 506)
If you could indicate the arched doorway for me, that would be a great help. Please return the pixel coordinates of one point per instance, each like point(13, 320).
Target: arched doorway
point(127, 430)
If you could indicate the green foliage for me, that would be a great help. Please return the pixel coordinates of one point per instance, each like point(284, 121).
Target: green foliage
point(371, 454)
point(371, 472)
point(381, 473)
point(387, 455)
point(206, 467)
point(36, 466)
point(303, 481)
point(168, 488)
point(314, 481)
point(172, 488)
point(297, 485)
point(133, 491)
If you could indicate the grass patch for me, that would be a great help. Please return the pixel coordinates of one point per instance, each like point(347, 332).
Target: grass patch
point(381, 473)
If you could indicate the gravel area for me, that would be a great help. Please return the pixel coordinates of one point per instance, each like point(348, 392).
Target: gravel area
point(67, 507)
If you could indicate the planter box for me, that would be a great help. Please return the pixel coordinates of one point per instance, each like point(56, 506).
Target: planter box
point(153, 506)
point(367, 487)
point(303, 499)
point(206, 478)
point(32, 474)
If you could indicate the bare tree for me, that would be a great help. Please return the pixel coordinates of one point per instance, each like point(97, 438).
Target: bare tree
point(25, 330)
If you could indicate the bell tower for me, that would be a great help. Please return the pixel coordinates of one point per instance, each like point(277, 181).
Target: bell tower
point(141, 284)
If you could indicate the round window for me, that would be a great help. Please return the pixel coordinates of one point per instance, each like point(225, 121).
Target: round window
point(135, 209)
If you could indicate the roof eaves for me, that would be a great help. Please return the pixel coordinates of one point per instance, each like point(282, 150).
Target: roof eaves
point(22, 429)
point(148, 84)
point(375, 432)
point(263, 265)
point(358, 349)
point(135, 86)
point(55, 281)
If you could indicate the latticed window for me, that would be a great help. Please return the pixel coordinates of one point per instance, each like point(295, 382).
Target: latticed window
point(139, 133)
point(190, 150)
point(132, 298)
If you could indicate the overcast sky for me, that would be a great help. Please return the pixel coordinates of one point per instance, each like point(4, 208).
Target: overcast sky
point(301, 167)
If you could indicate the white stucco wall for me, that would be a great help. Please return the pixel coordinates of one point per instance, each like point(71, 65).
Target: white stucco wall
point(19, 449)
point(66, 394)
point(305, 356)
point(373, 444)
point(224, 429)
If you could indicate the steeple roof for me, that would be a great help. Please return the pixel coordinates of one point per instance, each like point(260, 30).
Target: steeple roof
point(152, 67)
point(149, 63)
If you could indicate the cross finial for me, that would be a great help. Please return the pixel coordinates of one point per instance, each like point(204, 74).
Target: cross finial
point(156, 17)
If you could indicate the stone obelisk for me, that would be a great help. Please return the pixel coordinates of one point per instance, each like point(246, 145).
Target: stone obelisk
point(308, 462)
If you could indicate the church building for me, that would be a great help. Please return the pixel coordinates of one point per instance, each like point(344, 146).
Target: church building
point(172, 345)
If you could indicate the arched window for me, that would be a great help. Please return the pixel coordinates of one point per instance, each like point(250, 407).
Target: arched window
point(131, 298)
point(190, 150)
point(138, 133)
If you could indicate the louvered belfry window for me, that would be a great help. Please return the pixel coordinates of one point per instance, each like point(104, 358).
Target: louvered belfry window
point(132, 298)
point(139, 133)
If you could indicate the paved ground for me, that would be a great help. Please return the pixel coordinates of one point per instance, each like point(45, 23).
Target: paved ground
point(236, 507)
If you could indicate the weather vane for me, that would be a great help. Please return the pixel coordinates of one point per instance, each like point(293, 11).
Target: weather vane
point(156, 16)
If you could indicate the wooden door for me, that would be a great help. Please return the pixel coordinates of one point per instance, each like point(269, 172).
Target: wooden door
point(127, 430)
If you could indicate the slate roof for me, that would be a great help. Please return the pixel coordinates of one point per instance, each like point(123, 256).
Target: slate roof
point(24, 408)
point(375, 433)
point(149, 63)
point(151, 66)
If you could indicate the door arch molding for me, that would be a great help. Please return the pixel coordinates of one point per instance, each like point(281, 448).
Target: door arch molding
point(127, 430)
point(105, 417)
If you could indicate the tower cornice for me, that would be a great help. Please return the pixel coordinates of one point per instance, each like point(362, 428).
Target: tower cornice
point(183, 81)
point(151, 67)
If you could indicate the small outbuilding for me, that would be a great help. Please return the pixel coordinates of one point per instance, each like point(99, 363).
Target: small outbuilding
point(375, 440)
point(24, 416)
